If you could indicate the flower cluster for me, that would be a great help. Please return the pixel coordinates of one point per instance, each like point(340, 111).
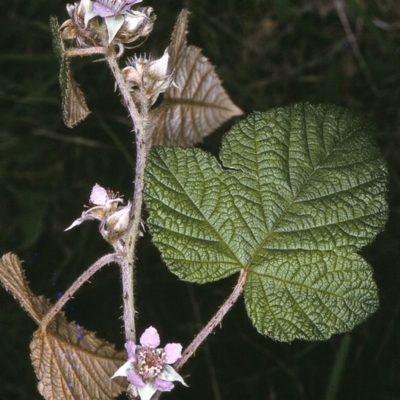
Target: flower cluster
point(149, 76)
point(108, 208)
point(123, 24)
point(148, 367)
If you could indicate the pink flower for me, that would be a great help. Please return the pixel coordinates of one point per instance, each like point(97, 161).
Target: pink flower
point(108, 208)
point(148, 367)
point(99, 195)
point(109, 8)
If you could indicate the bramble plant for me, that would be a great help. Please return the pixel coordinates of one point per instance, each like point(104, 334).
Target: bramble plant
point(295, 194)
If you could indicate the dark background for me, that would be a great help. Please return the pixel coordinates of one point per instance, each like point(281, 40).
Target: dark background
point(268, 54)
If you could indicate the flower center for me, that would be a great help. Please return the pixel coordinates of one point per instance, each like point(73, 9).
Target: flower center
point(150, 361)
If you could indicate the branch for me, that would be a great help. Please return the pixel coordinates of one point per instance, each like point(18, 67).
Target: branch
point(85, 52)
point(100, 263)
point(214, 321)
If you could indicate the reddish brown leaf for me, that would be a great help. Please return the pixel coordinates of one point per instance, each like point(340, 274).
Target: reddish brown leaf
point(12, 276)
point(73, 364)
point(196, 104)
point(73, 101)
point(70, 362)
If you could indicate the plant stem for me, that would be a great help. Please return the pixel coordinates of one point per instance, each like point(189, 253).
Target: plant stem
point(126, 96)
point(214, 321)
point(100, 263)
point(85, 52)
point(128, 262)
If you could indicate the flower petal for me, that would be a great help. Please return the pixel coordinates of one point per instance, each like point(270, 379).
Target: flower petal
point(85, 11)
point(146, 392)
point(102, 10)
point(159, 68)
point(113, 24)
point(129, 4)
point(131, 350)
point(96, 212)
point(75, 223)
point(112, 204)
point(173, 352)
point(99, 195)
point(138, 23)
point(150, 337)
point(118, 221)
point(134, 378)
point(163, 386)
point(123, 370)
point(133, 20)
point(169, 374)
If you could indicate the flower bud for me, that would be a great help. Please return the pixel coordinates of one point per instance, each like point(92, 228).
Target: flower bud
point(150, 76)
point(123, 24)
point(137, 23)
point(116, 224)
point(106, 207)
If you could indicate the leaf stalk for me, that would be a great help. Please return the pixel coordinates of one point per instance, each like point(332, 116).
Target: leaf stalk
point(214, 321)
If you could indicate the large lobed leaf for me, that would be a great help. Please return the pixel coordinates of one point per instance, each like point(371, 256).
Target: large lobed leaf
point(300, 190)
point(70, 362)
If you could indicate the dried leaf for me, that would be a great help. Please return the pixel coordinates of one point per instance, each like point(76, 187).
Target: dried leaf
point(70, 362)
point(73, 101)
point(196, 104)
point(12, 277)
point(178, 39)
point(74, 105)
point(73, 364)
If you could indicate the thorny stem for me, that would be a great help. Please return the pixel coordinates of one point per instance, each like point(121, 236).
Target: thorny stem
point(127, 264)
point(100, 263)
point(214, 321)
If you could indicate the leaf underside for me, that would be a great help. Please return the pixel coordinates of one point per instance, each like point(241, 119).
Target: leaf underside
point(70, 362)
point(74, 104)
point(196, 104)
point(300, 191)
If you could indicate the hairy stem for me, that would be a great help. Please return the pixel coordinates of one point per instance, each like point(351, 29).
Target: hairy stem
point(85, 52)
point(214, 321)
point(126, 96)
point(128, 263)
point(100, 263)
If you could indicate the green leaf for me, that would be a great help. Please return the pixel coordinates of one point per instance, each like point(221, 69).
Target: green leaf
point(300, 190)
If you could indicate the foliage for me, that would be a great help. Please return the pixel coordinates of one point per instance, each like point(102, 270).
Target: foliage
point(300, 189)
point(73, 101)
point(64, 353)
